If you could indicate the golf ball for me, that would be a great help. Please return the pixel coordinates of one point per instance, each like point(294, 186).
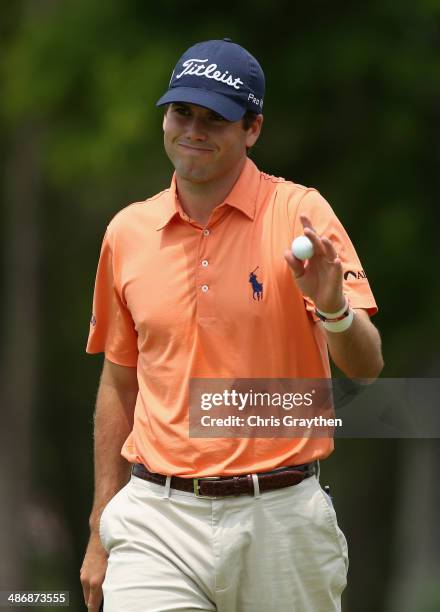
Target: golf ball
point(302, 248)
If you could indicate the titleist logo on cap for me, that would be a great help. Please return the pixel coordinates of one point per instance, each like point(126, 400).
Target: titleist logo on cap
point(197, 67)
point(219, 75)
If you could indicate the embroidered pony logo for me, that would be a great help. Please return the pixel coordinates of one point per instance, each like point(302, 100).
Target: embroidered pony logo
point(257, 287)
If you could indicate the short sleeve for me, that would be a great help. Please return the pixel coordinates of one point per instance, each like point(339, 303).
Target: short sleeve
point(324, 220)
point(112, 329)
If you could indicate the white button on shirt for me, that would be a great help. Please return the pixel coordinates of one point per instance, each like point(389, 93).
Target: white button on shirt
point(205, 288)
point(206, 232)
point(205, 263)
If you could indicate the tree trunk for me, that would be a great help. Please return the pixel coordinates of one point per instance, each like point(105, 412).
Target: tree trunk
point(417, 531)
point(20, 336)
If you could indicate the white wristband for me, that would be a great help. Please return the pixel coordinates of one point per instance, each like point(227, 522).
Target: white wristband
point(334, 315)
point(339, 326)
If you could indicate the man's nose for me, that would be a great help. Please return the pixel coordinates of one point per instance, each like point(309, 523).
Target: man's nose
point(196, 129)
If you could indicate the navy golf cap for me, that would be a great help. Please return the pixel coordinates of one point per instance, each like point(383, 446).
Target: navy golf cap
point(219, 75)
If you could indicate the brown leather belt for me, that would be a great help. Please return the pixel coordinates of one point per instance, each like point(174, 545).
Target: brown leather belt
point(222, 486)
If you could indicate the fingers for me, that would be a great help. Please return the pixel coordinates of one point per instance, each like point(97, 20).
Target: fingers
point(86, 591)
point(321, 244)
point(92, 592)
point(329, 250)
point(312, 235)
point(296, 264)
point(315, 240)
point(92, 574)
point(95, 599)
point(306, 222)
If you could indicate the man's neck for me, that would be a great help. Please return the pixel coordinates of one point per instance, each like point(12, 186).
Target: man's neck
point(198, 200)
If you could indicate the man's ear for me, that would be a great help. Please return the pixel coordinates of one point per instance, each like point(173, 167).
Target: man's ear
point(253, 133)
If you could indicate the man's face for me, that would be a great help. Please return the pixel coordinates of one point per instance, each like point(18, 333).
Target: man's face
point(202, 145)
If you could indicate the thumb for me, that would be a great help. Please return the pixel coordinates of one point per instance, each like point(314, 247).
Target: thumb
point(296, 265)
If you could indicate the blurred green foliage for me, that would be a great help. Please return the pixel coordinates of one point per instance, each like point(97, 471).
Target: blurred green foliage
point(352, 108)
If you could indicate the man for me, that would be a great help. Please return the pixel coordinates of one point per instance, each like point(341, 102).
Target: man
point(198, 282)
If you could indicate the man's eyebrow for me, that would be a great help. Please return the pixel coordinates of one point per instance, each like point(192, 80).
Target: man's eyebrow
point(187, 105)
point(176, 105)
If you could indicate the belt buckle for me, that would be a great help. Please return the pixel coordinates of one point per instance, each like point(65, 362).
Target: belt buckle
point(197, 487)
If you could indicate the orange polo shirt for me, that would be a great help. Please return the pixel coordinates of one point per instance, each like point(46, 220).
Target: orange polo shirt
point(174, 299)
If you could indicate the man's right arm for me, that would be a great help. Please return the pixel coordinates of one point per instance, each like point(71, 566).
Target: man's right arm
point(113, 423)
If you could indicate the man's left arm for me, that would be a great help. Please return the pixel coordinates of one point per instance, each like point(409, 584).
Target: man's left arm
point(357, 350)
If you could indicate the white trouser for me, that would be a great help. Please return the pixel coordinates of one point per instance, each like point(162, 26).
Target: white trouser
point(169, 551)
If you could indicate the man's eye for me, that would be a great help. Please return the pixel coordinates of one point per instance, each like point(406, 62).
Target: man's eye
point(217, 117)
point(181, 110)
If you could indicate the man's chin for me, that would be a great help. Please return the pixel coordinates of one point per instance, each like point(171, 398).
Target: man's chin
point(192, 174)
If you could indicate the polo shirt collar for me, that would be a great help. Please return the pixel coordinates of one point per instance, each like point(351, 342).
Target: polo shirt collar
point(242, 196)
point(169, 207)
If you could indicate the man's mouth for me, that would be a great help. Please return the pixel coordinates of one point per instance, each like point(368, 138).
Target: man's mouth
point(195, 148)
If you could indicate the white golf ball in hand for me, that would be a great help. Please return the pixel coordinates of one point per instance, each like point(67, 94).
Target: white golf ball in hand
point(302, 248)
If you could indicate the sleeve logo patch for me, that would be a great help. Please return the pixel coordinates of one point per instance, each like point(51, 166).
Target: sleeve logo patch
point(93, 320)
point(355, 274)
